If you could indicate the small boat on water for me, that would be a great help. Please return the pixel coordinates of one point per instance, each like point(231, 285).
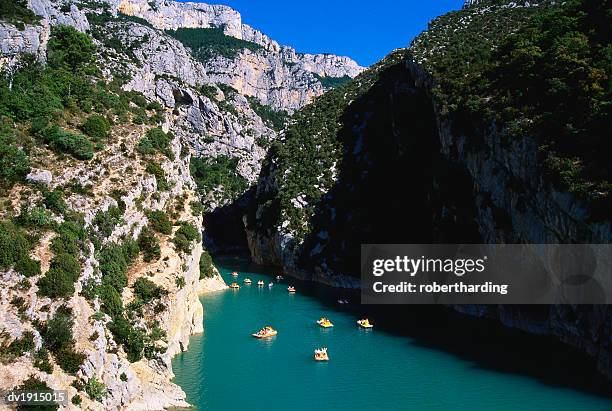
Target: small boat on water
point(247, 281)
point(270, 285)
point(364, 323)
point(234, 274)
point(324, 322)
point(320, 354)
point(279, 277)
point(291, 289)
point(260, 283)
point(234, 286)
point(265, 332)
point(343, 302)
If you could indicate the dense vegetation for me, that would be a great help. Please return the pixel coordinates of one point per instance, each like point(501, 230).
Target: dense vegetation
point(550, 79)
point(17, 12)
point(206, 265)
point(65, 269)
point(275, 119)
point(331, 82)
point(37, 103)
point(216, 173)
point(206, 44)
point(58, 339)
point(184, 237)
point(155, 140)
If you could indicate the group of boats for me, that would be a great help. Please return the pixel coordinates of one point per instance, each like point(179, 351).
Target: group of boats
point(320, 354)
point(234, 285)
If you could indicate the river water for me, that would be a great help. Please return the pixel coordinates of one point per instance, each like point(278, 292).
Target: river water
point(227, 369)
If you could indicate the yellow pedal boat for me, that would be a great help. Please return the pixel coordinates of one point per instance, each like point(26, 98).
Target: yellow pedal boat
point(365, 323)
point(325, 323)
point(265, 332)
point(234, 286)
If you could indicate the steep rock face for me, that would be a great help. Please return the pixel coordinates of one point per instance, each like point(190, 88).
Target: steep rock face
point(14, 42)
point(277, 75)
point(398, 168)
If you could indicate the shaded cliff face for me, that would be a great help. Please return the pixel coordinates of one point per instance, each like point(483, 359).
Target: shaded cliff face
point(410, 152)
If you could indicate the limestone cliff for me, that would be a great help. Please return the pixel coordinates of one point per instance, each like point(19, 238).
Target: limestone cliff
point(277, 75)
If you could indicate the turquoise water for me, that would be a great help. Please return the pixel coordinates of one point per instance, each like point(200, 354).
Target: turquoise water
point(227, 369)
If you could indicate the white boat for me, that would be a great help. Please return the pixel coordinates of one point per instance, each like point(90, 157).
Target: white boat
point(247, 281)
point(279, 277)
point(270, 285)
point(260, 283)
point(320, 354)
point(234, 274)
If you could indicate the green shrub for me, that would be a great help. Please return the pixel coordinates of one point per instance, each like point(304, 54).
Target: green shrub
point(55, 284)
point(14, 163)
point(184, 236)
point(196, 208)
point(54, 201)
point(206, 265)
point(76, 400)
point(14, 245)
point(41, 361)
point(59, 281)
point(68, 359)
point(21, 345)
point(331, 82)
point(135, 345)
point(58, 330)
point(36, 217)
point(111, 301)
point(69, 48)
point(63, 141)
point(95, 389)
point(28, 267)
point(106, 221)
point(146, 290)
point(96, 127)
point(17, 12)
point(219, 172)
point(156, 140)
point(149, 245)
point(160, 175)
point(114, 262)
point(275, 119)
point(180, 282)
point(70, 238)
point(159, 221)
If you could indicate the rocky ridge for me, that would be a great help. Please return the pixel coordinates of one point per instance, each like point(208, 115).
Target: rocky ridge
point(277, 75)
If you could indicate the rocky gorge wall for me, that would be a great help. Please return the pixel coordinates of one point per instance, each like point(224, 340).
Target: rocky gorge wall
point(277, 75)
point(459, 185)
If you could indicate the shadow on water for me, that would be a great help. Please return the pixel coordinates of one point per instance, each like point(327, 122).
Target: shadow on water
point(482, 341)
